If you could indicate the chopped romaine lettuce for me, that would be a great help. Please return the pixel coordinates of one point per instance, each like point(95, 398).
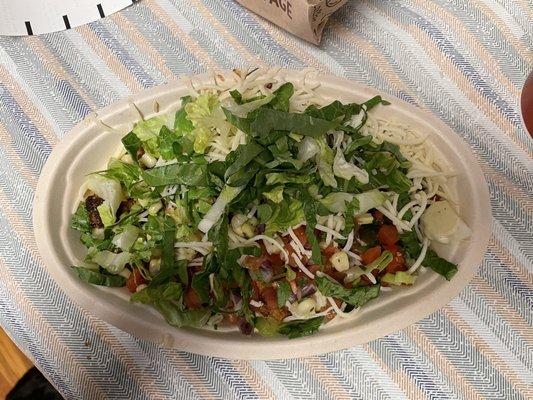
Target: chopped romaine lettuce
point(250, 162)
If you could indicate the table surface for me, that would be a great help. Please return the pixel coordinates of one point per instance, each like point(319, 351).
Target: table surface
point(464, 61)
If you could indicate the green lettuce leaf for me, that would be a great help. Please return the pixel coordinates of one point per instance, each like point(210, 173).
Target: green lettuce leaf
point(132, 144)
point(170, 291)
point(274, 178)
point(176, 317)
point(282, 97)
point(148, 132)
point(335, 111)
point(399, 278)
point(412, 247)
point(98, 278)
point(267, 327)
point(325, 160)
point(284, 292)
point(356, 296)
point(182, 124)
point(296, 329)
point(206, 115)
point(268, 120)
point(275, 195)
point(189, 174)
point(127, 174)
point(80, 219)
point(286, 214)
point(243, 155)
point(336, 201)
point(311, 209)
point(169, 266)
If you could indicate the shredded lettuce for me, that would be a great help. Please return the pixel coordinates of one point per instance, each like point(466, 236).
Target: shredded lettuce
point(207, 116)
point(347, 170)
point(242, 110)
point(249, 162)
point(125, 239)
point(325, 159)
point(369, 200)
point(307, 149)
point(289, 212)
point(217, 209)
point(399, 278)
point(336, 201)
point(275, 195)
point(148, 133)
point(111, 192)
point(113, 263)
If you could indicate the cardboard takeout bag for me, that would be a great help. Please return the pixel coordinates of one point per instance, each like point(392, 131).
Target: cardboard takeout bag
point(304, 18)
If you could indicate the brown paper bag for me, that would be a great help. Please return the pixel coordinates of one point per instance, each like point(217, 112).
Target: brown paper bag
point(304, 18)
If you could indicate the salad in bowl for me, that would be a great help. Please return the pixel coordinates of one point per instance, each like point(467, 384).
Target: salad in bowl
point(262, 205)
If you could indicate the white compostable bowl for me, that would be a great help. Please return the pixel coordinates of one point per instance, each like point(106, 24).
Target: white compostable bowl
point(91, 143)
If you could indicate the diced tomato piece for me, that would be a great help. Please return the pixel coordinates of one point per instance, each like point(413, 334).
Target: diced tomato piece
point(290, 251)
point(338, 276)
point(329, 251)
point(370, 255)
point(256, 291)
point(388, 234)
point(398, 261)
point(231, 318)
point(378, 216)
point(134, 280)
point(191, 299)
point(276, 259)
point(270, 297)
point(302, 237)
point(313, 268)
point(271, 260)
point(279, 314)
point(393, 248)
point(294, 286)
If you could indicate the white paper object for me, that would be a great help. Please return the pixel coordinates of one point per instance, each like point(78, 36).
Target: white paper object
point(33, 17)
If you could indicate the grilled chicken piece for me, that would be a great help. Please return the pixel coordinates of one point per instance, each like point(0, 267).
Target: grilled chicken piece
point(91, 205)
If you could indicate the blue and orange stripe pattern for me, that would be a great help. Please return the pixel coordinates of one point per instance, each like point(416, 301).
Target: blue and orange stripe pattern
point(464, 61)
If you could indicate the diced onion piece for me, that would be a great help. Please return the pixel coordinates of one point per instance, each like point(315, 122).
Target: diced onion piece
point(340, 261)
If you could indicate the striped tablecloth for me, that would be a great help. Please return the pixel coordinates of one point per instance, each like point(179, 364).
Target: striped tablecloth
point(464, 61)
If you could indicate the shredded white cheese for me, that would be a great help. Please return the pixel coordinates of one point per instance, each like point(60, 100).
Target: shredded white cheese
point(423, 200)
point(399, 224)
point(271, 241)
point(349, 242)
point(301, 249)
point(255, 303)
point(296, 249)
point(339, 312)
point(302, 267)
point(421, 257)
point(198, 244)
point(315, 315)
point(330, 231)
